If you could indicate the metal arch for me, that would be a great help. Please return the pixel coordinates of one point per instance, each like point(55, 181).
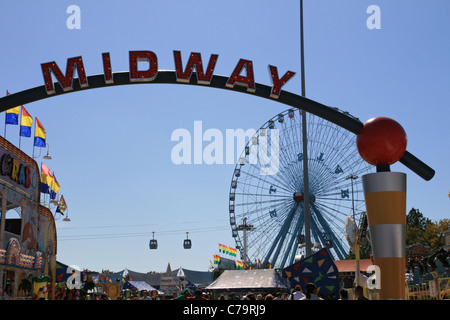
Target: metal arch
point(263, 91)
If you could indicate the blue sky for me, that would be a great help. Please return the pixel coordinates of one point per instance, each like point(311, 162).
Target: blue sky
point(111, 147)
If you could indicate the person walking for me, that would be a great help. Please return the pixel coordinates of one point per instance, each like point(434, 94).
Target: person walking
point(359, 293)
point(145, 295)
point(7, 293)
point(184, 295)
point(311, 292)
point(344, 294)
point(198, 295)
point(297, 294)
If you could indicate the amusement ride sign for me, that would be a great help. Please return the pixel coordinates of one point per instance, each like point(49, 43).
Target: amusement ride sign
point(20, 173)
point(241, 79)
point(148, 75)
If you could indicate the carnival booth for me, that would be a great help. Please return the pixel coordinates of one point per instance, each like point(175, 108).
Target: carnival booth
point(27, 229)
point(254, 281)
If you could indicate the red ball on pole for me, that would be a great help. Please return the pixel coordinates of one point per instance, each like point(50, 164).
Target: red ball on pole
point(381, 141)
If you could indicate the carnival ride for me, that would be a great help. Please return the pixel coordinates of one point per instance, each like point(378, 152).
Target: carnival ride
point(273, 202)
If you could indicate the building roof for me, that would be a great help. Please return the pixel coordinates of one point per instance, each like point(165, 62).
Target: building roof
point(195, 277)
point(349, 265)
point(249, 280)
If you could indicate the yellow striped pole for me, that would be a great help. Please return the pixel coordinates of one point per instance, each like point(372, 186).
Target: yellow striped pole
point(385, 196)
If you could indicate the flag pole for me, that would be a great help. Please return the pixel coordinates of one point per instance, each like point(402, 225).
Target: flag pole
point(305, 146)
point(33, 138)
point(20, 123)
point(50, 190)
point(4, 136)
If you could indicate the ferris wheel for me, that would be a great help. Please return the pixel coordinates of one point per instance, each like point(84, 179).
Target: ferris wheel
point(266, 205)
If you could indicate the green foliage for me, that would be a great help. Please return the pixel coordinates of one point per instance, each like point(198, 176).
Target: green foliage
point(364, 252)
point(415, 219)
point(420, 229)
point(25, 285)
point(88, 285)
point(106, 271)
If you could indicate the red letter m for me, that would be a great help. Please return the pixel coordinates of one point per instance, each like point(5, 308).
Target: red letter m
point(66, 81)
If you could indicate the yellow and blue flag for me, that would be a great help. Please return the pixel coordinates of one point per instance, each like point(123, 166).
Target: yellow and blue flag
point(26, 121)
point(39, 134)
point(12, 115)
point(54, 188)
point(62, 206)
point(46, 179)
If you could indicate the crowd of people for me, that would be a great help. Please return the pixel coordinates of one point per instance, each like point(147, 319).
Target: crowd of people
point(298, 294)
point(311, 293)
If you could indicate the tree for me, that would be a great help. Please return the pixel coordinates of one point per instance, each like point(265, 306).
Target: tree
point(420, 229)
point(415, 219)
point(435, 230)
point(364, 252)
point(106, 271)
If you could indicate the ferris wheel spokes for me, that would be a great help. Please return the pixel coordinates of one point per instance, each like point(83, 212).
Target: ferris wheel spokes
point(273, 203)
point(279, 239)
point(328, 230)
point(294, 237)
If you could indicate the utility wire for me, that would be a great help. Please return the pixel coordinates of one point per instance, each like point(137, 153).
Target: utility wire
point(137, 225)
point(138, 234)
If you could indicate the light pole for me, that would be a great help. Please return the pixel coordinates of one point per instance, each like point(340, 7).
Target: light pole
point(352, 177)
point(48, 156)
point(305, 141)
point(245, 227)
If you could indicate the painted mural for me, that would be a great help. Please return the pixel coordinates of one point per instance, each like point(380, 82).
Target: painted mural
point(33, 249)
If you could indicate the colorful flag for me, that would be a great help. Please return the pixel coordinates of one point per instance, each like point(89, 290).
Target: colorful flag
point(62, 206)
point(39, 134)
point(239, 264)
point(12, 115)
point(46, 179)
point(54, 188)
point(26, 121)
point(220, 248)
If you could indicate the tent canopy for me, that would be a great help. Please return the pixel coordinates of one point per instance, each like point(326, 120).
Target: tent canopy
point(317, 268)
point(61, 272)
point(249, 280)
point(196, 278)
point(139, 285)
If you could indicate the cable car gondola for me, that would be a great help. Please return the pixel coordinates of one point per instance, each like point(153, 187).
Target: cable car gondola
point(187, 244)
point(153, 243)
